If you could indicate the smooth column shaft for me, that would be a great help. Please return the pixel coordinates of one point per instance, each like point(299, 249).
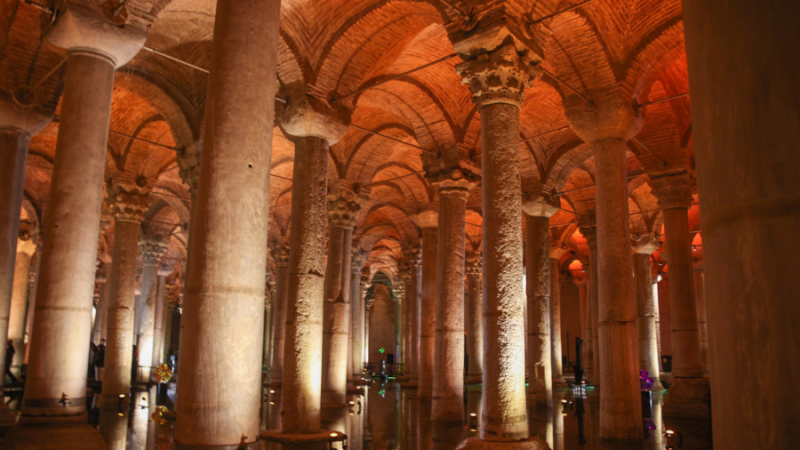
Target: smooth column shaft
point(620, 404)
point(427, 311)
point(19, 297)
point(159, 322)
point(504, 406)
point(336, 330)
point(357, 324)
point(647, 311)
point(555, 324)
point(687, 361)
point(279, 321)
point(540, 379)
point(146, 321)
point(218, 400)
point(474, 320)
point(302, 370)
point(62, 319)
point(448, 375)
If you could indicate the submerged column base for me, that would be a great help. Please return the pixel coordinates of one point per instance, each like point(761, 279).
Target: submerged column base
point(688, 398)
point(532, 443)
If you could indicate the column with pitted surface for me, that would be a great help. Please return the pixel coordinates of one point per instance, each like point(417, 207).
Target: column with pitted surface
point(498, 68)
point(474, 319)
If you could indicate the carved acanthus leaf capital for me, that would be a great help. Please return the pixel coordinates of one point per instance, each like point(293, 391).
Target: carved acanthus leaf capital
point(451, 170)
point(366, 275)
point(281, 255)
point(152, 250)
point(673, 190)
point(474, 264)
point(500, 76)
point(128, 207)
point(343, 207)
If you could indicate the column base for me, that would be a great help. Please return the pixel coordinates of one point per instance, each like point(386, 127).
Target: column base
point(301, 440)
point(241, 446)
point(689, 398)
point(51, 433)
point(532, 443)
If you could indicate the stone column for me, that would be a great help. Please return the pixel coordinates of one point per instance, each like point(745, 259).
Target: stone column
point(151, 252)
point(313, 127)
point(702, 316)
point(745, 132)
point(128, 209)
point(343, 209)
point(404, 270)
point(428, 221)
point(589, 353)
point(17, 124)
point(453, 176)
point(555, 319)
point(538, 287)
point(474, 319)
point(607, 125)
point(357, 309)
point(643, 248)
point(19, 297)
point(366, 276)
point(497, 78)
point(281, 256)
point(100, 318)
point(161, 315)
point(224, 299)
point(594, 301)
point(413, 256)
point(62, 323)
point(689, 394)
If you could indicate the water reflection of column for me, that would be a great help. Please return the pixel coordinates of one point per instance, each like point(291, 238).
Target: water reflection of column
point(558, 421)
point(140, 416)
point(425, 426)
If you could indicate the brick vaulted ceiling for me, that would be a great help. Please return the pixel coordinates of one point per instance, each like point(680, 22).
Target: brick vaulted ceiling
point(337, 47)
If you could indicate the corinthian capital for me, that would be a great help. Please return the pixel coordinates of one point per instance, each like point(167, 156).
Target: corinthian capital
point(451, 170)
point(128, 207)
point(281, 255)
point(500, 76)
point(152, 250)
point(474, 264)
point(673, 190)
point(343, 207)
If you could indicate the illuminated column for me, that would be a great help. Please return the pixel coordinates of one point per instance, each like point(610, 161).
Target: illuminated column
point(538, 287)
point(17, 124)
point(343, 208)
point(428, 221)
point(453, 175)
point(19, 297)
point(62, 323)
point(366, 275)
point(357, 309)
point(497, 78)
point(555, 318)
point(689, 394)
point(474, 319)
point(313, 127)
point(643, 249)
point(101, 315)
point(224, 297)
point(151, 252)
point(405, 318)
point(593, 338)
point(164, 270)
point(607, 126)
point(281, 256)
point(128, 209)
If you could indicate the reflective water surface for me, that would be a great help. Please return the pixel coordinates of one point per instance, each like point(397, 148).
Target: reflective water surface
point(390, 417)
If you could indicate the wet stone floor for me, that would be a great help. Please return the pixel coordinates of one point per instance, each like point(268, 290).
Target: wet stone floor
point(391, 417)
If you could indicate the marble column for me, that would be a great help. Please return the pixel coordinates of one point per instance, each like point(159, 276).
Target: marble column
point(744, 124)
point(643, 249)
point(538, 286)
point(343, 209)
point(607, 126)
point(314, 127)
point(428, 221)
point(474, 319)
point(56, 378)
point(101, 314)
point(404, 270)
point(497, 78)
point(702, 316)
point(555, 320)
point(689, 394)
point(151, 251)
point(589, 353)
point(594, 301)
point(19, 302)
point(412, 255)
point(366, 276)
point(128, 209)
point(219, 391)
point(357, 322)
point(161, 315)
point(368, 302)
point(453, 180)
point(281, 256)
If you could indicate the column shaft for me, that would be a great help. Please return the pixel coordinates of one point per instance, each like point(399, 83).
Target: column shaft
point(505, 416)
point(702, 321)
point(620, 404)
point(427, 311)
point(336, 329)
point(687, 361)
point(303, 346)
point(159, 322)
point(416, 281)
point(146, 321)
point(63, 320)
point(647, 309)
point(100, 322)
point(555, 325)
point(448, 374)
point(589, 354)
point(279, 318)
point(357, 329)
point(540, 379)
point(224, 300)
point(474, 321)
point(19, 297)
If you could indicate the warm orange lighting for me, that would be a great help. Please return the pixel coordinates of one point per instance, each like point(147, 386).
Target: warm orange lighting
point(121, 395)
point(670, 432)
point(271, 391)
point(334, 434)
